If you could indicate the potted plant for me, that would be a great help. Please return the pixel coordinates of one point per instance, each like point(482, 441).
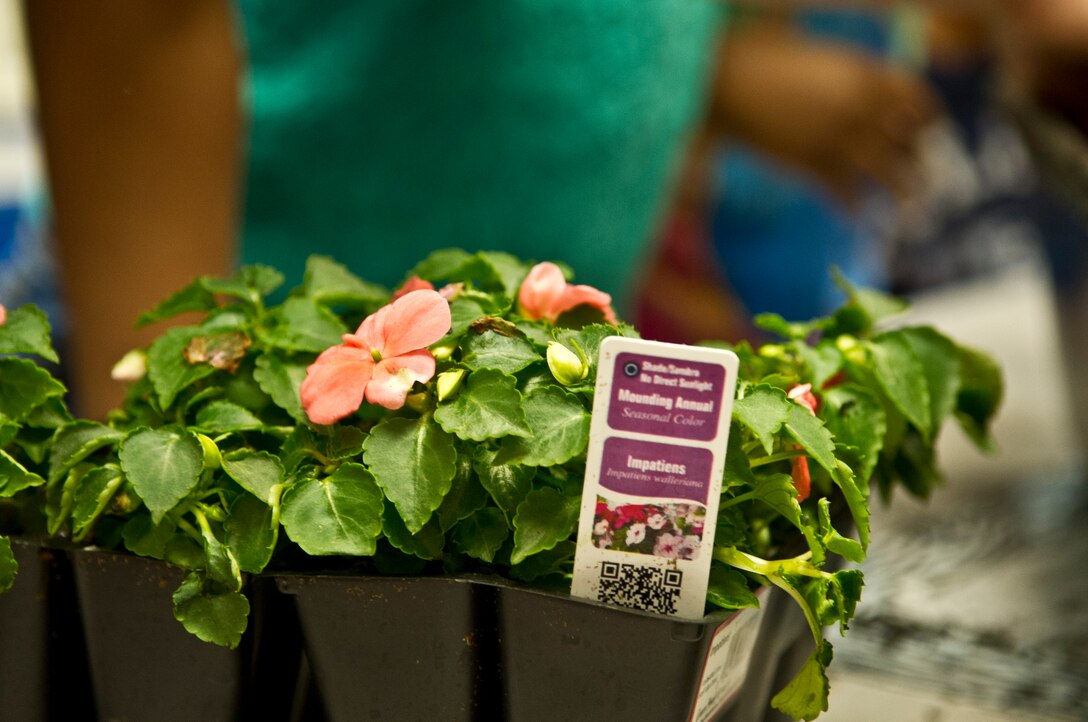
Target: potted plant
point(423, 451)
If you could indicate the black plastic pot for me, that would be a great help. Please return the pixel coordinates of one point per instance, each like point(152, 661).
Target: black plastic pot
point(145, 665)
point(43, 666)
point(566, 658)
point(396, 648)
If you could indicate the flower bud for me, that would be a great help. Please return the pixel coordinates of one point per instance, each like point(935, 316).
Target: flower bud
point(448, 382)
point(131, 368)
point(567, 367)
point(442, 352)
point(420, 402)
point(212, 459)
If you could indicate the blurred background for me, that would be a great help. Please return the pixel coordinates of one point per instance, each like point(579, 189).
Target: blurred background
point(940, 155)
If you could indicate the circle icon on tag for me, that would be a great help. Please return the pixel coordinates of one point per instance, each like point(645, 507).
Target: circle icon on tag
point(630, 369)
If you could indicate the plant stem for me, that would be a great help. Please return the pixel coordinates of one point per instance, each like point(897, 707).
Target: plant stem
point(772, 458)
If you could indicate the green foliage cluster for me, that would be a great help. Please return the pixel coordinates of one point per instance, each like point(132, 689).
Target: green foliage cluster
point(212, 465)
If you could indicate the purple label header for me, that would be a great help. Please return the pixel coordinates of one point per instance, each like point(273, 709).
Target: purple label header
point(666, 397)
point(644, 468)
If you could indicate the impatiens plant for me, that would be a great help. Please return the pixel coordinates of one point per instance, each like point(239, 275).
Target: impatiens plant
point(31, 409)
point(442, 431)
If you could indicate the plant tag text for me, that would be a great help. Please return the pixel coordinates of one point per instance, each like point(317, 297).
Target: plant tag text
point(654, 469)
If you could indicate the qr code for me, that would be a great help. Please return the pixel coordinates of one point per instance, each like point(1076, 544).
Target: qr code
point(649, 588)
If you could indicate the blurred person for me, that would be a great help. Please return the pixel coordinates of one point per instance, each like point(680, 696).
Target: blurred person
point(373, 132)
point(812, 131)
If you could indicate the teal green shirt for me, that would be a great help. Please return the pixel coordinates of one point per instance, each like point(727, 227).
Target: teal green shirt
point(383, 129)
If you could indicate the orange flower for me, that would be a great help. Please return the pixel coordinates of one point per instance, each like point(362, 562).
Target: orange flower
point(3, 314)
point(545, 293)
point(802, 480)
point(380, 361)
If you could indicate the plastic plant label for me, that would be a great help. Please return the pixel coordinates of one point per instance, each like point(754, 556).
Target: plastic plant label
point(653, 475)
point(727, 661)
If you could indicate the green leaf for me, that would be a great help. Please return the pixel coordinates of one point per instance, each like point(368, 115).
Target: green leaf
point(14, 477)
point(331, 283)
point(823, 360)
point(560, 429)
point(340, 514)
point(26, 330)
point(508, 484)
point(810, 432)
point(444, 264)
point(413, 461)
point(8, 566)
point(556, 560)
point(193, 297)
point(225, 416)
point(76, 442)
point(302, 324)
point(463, 313)
point(213, 616)
point(281, 379)
point(940, 361)
point(164, 465)
point(979, 396)
point(258, 472)
point(25, 387)
point(805, 697)
point(492, 350)
point(902, 377)
point(778, 492)
point(344, 442)
point(488, 407)
point(763, 410)
point(427, 543)
point(728, 589)
point(93, 496)
point(544, 519)
point(251, 533)
point(145, 538)
point(855, 417)
point(261, 278)
point(465, 496)
point(510, 270)
point(857, 498)
point(835, 542)
point(482, 535)
point(167, 367)
point(220, 566)
point(876, 306)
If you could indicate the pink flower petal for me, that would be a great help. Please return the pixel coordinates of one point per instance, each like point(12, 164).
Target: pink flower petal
point(802, 393)
point(3, 314)
point(574, 296)
point(415, 283)
point(394, 377)
point(540, 290)
point(335, 383)
point(414, 321)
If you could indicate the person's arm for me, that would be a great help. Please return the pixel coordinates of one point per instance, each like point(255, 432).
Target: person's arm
point(140, 121)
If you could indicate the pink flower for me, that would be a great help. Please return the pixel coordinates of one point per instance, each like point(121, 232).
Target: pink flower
point(668, 546)
point(380, 361)
point(689, 547)
point(415, 283)
point(449, 292)
point(657, 521)
point(3, 314)
point(546, 294)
